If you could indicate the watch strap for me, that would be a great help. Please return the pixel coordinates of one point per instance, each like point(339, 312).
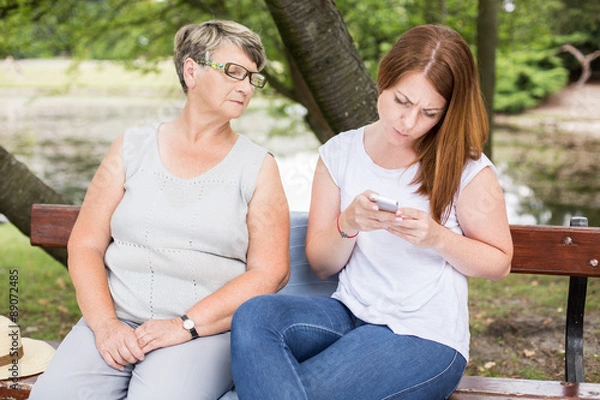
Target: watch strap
point(192, 330)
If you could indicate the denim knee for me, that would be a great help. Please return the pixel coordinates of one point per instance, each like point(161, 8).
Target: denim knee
point(249, 313)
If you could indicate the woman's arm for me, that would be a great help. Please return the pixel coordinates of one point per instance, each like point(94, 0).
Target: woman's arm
point(267, 268)
point(326, 250)
point(88, 243)
point(268, 259)
point(485, 249)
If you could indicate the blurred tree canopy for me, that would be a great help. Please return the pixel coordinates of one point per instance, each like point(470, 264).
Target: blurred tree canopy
point(530, 33)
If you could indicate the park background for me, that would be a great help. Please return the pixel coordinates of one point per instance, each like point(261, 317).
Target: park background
point(75, 75)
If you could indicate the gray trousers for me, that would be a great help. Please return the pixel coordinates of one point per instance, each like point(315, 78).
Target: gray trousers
point(199, 369)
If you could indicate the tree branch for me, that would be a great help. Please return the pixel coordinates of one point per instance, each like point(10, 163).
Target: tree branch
point(584, 60)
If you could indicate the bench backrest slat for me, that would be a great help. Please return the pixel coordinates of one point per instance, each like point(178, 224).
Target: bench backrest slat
point(547, 250)
point(556, 250)
point(51, 224)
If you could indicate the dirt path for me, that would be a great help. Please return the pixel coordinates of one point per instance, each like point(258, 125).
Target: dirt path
point(574, 109)
point(574, 102)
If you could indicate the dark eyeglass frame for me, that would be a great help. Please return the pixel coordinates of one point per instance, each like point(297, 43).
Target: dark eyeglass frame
point(256, 78)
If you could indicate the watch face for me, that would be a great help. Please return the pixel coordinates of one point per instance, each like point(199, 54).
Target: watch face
point(188, 324)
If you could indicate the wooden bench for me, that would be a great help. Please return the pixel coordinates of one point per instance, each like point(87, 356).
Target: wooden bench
point(570, 251)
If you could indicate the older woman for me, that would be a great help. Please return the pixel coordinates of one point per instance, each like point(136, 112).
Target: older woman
point(397, 326)
point(183, 221)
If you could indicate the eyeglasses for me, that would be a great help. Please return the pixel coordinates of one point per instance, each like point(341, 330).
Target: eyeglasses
point(238, 72)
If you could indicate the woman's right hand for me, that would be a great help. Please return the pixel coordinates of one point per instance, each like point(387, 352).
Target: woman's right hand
point(364, 215)
point(117, 344)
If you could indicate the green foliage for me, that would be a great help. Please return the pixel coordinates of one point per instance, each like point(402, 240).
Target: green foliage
point(581, 17)
point(374, 27)
point(143, 30)
point(524, 79)
point(530, 27)
point(527, 66)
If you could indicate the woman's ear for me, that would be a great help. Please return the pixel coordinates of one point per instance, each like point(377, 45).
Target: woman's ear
point(190, 72)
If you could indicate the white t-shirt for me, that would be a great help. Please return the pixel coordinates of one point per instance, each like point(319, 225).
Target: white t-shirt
point(387, 280)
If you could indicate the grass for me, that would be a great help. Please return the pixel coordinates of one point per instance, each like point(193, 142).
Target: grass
point(517, 327)
point(47, 307)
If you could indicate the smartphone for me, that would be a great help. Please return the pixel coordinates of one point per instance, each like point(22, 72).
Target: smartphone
point(384, 203)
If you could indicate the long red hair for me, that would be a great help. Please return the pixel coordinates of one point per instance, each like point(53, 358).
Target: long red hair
point(446, 60)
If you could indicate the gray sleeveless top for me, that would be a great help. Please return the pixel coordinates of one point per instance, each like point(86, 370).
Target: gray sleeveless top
point(176, 240)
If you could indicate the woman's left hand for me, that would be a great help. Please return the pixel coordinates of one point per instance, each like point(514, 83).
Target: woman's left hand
point(157, 333)
point(417, 227)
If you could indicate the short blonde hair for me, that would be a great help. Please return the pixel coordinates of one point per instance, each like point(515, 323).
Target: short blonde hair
point(198, 41)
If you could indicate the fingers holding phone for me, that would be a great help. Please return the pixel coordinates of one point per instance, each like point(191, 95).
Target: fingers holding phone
point(384, 203)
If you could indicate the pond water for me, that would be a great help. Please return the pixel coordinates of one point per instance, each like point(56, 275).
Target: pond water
point(62, 139)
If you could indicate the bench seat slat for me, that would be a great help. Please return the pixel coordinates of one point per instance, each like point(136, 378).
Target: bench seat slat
point(483, 388)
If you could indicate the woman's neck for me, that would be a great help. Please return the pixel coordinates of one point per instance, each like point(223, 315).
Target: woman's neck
point(198, 127)
point(385, 154)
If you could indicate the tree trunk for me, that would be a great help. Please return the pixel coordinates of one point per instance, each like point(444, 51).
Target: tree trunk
point(302, 94)
point(322, 49)
point(487, 41)
point(19, 189)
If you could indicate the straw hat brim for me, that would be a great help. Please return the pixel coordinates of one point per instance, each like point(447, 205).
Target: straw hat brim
point(36, 357)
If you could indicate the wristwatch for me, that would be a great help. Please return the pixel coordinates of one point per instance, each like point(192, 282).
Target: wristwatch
point(190, 326)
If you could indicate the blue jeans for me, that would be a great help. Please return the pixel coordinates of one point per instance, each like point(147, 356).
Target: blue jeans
point(297, 347)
